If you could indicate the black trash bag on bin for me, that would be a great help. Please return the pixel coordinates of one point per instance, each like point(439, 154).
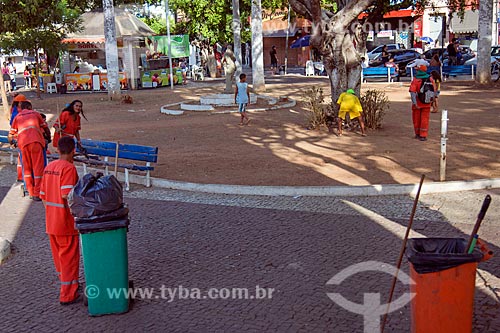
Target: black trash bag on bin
point(116, 214)
point(95, 195)
point(430, 255)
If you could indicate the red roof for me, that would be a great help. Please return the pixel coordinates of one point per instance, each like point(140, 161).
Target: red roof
point(395, 14)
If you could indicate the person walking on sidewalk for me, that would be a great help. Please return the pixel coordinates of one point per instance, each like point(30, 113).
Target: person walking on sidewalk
point(59, 178)
point(242, 98)
point(27, 133)
point(420, 110)
point(349, 103)
point(274, 59)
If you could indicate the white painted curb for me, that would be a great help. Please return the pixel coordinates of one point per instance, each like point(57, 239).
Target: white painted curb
point(369, 190)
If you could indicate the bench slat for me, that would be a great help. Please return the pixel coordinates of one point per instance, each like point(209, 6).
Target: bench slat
point(127, 151)
point(124, 147)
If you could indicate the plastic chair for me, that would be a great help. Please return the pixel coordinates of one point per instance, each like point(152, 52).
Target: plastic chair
point(51, 88)
point(309, 68)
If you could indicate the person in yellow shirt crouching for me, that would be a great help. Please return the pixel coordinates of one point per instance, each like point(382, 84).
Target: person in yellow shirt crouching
point(349, 103)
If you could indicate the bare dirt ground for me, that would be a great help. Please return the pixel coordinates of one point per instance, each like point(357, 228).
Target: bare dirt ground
point(277, 149)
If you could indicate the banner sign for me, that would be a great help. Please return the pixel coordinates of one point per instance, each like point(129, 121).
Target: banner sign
point(158, 46)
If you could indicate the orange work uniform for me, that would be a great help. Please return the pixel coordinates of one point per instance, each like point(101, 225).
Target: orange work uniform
point(421, 112)
point(69, 126)
point(28, 126)
point(59, 177)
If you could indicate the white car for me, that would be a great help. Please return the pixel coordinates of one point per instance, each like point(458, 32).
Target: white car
point(376, 51)
point(495, 53)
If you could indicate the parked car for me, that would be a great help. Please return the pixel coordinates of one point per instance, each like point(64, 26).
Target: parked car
point(465, 51)
point(495, 53)
point(378, 50)
point(401, 58)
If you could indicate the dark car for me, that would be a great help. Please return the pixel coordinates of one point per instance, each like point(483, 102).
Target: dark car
point(465, 52)
point(401, 58)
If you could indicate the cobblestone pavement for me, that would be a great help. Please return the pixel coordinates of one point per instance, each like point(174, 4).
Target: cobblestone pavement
point(293, 245)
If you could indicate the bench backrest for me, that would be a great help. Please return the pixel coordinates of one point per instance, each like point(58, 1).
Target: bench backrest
point(126, 151)
point(3, 136)
point(378, 71)
point(458, 70)
point(452, 70)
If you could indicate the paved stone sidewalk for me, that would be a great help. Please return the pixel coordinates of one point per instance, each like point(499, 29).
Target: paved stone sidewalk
point(293, 245)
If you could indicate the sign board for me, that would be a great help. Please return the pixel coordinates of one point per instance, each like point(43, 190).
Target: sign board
point(385, 33)
point(158, 46)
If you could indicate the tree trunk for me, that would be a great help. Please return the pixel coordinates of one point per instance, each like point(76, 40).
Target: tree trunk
point(259, 84)
point(484, 42)
point(340, 39)
point(237, 37)
point(111, 50)
point(342, 59)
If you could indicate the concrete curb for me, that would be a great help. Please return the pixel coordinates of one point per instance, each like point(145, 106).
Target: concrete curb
point(4, 249)
point(292, 191)
point(369, 190)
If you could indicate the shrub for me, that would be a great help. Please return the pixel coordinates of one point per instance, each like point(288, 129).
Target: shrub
point(375, 103)
point(314, 99)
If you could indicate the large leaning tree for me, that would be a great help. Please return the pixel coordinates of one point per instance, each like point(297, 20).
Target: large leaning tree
point(339, 36)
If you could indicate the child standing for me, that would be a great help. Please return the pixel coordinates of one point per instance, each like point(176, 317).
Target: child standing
point(58, 179)
point(437, 80)
point(242, 98)
point(349, 103)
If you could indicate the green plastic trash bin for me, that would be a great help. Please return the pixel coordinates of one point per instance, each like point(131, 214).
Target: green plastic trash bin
point(105, 262)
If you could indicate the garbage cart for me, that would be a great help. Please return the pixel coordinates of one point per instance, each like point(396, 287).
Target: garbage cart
point(444, 277)
point(102, 220)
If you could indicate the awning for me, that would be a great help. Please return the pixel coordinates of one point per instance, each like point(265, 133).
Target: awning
point(83, 39)
point(468, 25)
point(126, 25)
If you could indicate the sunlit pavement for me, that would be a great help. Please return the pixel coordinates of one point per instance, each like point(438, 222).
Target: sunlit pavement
point(292, 246)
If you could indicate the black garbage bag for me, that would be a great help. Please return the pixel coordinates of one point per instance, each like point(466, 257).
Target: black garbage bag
point(429, 255)
point(87, 228)
point(95, 195)
point(119, 213)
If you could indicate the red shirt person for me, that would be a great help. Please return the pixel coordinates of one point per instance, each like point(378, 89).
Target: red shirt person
point(27, 129)
point(68, 123)
point(59, 178)
point(420, 111)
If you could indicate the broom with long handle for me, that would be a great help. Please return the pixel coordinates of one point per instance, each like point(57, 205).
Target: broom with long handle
point(480, 217)
point(401, 252)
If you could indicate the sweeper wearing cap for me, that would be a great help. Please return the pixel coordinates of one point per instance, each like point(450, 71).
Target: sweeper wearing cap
point(14, 110)
point(349, 103)
point(420, 111)
point(26, 133)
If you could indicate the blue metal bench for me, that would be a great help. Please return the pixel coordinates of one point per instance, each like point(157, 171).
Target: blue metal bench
point(5, 146)
point(379, 72)
point(448, 70)
point(98, 149)
point(131, 152)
